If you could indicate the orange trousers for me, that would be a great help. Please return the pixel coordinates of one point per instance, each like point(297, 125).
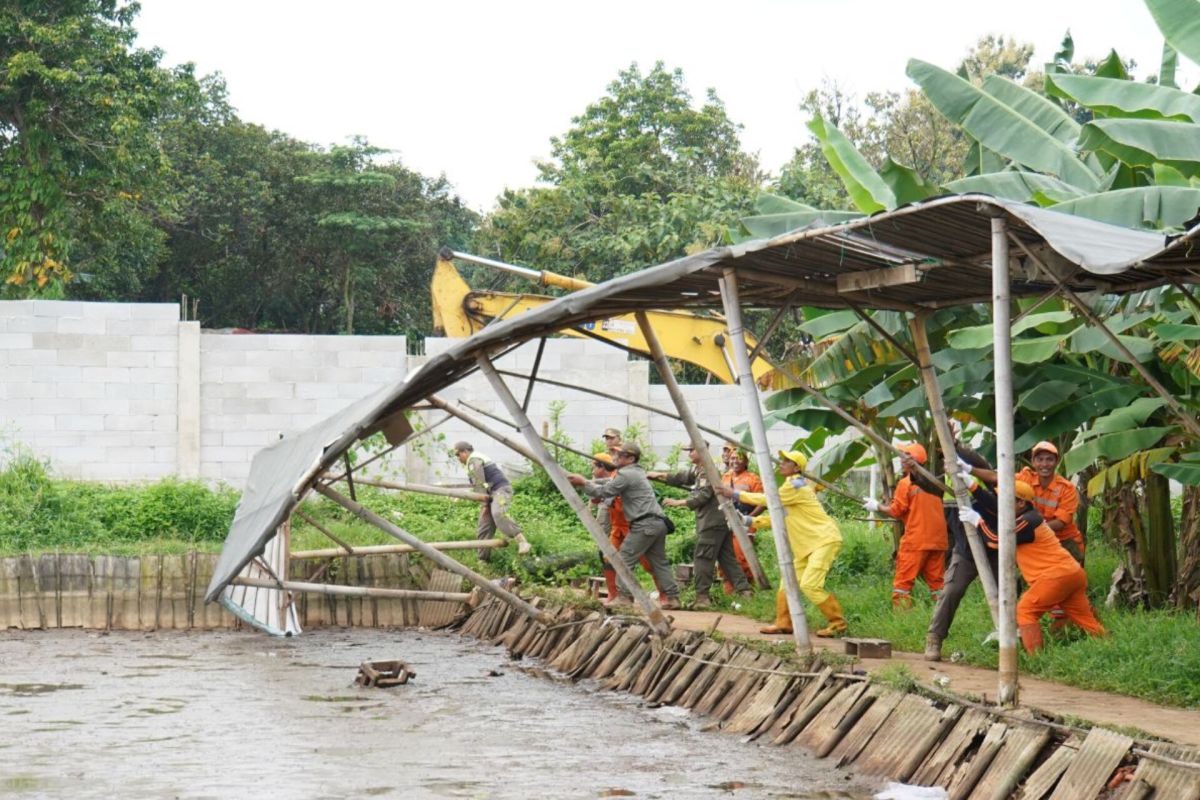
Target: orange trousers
point(929, 565)
point(1068, 592)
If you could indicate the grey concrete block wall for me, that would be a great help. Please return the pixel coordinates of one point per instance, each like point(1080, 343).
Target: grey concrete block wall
point(92, 386)
point(128, 392)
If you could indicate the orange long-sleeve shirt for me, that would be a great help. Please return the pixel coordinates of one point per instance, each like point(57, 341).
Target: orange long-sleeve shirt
point(1058, 501)
point(923, 516)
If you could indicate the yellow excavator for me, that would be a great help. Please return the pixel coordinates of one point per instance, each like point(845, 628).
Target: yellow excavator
point(459, 311)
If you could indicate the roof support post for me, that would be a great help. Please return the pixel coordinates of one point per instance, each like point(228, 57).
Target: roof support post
point(941, 424)
point(711, 473)
point(1187, 419)
point(443, 561)
point(1006, 459)
point(658, 621)
point(762, 454)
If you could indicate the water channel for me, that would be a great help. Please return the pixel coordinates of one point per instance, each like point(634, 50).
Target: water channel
point(86, 714)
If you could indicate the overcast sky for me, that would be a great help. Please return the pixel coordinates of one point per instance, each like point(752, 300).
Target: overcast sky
point(475, 90)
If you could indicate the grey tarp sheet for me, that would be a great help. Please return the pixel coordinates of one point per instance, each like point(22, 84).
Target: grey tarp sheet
point(954, 229)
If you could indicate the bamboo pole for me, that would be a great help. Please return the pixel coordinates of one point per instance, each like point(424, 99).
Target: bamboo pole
point(658, 621)
point(762, 453)
point(511, 424)
point(1185, 417)
point(507, 441)
point(391, 549)
point(352, 591)
point(382, 453)
point(346, 548)
point(732, 518)
point(443, 561)
point(421, 488)
point(1006, 460)
point(941, 423)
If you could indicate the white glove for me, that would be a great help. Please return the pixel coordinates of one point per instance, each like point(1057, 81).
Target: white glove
point(870, 504)
point(798, 482)
point(747, 521)
point(969, 516)
point(964, 469)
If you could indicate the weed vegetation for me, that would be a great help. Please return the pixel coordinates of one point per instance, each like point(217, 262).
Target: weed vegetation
point(1154, 655)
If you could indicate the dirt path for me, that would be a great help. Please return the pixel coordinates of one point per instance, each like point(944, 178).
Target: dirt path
point(1110, 709)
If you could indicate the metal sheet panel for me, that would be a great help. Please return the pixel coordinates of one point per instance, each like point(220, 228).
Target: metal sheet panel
point(1180, 783)
point(1093, 765)
point(892, 746)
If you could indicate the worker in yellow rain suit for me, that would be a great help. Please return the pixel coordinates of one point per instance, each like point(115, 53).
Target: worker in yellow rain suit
point(814, 537)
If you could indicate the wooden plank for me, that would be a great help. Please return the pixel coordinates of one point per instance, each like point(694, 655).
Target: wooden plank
point(1101, 753)
point(877, 278)
point(852, 744)
point(824, 725)
point(969, 772)
point(1022, 746)
point(760, 707)
point(893, 744)
point(1045, 777)
point(793, 703)
point(940, 764)
point(1168, 780)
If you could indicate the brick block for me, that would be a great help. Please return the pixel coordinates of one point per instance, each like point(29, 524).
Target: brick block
point(37, 422)
point(165, 312)
point(152, 375)
point(222, 358)
point(168, 359)
point(148, 405)
point(239, 375)
point(29, 324)
point(292, 374)
point(143, 327)
point(91, 327)
point(269, 390)
point(167, 392)
point(154, 343)
point(128, 422)
point(308, 391)
point(82, 358)
point(107, 374)
point(131, 455)
point(118, 358)
point(60, 405)
point(59, 308)
point(244, 405)
point(80, 390)
point(16, 341)
point(81, 422)
point(255, 439)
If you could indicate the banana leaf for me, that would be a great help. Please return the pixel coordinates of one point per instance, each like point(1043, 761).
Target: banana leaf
point(1169, 176)
point(1170, 332)
point(1179, 21)
point(1023, 187)
point(1112, 67)
point(1044, 113)
point(999, 127)
point(1187, 473)
point(1130, 416)
point(1168, 65)
point(1087, 340)
point(1047, 395)
point(1151, 207)
point(855, 350)
point(770, 203)
point(981, 161)
point(835, 461)
point(768, 226)
point(1131, 468)
point(981, 335)
point(1142, 142)
point(1111, 447)
point(906, 183)
point(1109, 97)
point(868, 191)
point(831, 323)
point(1070, 418)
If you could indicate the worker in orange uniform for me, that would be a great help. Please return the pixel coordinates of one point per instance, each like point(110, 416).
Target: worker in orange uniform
point(1055, 497)
point(739, 477)
point(1055, 578)
point(611, 516)
point(814, 537)
point(923, 546)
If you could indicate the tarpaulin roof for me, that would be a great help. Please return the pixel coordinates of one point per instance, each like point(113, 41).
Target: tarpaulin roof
point(942, 246)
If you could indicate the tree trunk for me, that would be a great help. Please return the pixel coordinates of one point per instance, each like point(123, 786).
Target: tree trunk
point(348, 299)
point(1159, 535)
point(1187, 577)
point(1122, 523)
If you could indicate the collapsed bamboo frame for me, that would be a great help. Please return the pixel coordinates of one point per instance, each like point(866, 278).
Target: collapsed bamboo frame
point(352, 591)
point(396, 549)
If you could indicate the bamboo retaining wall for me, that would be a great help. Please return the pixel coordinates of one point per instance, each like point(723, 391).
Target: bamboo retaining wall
point(972, 751)
point(163, 592)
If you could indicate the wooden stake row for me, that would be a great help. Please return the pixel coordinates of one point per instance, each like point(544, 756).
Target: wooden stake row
point(906, 737)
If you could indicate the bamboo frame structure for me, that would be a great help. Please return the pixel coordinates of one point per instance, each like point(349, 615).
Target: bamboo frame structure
point(657, 620)
point(421, 488)
point(352, 591)
point(443, 561)
point(732, 518)
point(395, 549)
point(762, 454)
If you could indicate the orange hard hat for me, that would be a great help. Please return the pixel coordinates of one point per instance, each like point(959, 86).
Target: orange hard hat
point(915, 450)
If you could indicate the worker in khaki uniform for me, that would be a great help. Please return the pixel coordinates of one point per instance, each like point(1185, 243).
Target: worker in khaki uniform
point(1055, 578)
point(487, 478)
point(610, 514)
point(814, 538)
point(738, 476)
point(714, 540)
point(647, 523)
point(923, 546)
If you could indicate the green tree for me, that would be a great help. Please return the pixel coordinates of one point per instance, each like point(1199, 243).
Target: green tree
point(77, 149)
point(641, 177)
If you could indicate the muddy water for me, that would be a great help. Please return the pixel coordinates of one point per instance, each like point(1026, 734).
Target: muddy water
point(234, 715)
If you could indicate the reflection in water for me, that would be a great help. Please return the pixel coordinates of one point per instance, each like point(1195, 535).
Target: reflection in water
point(226, 715)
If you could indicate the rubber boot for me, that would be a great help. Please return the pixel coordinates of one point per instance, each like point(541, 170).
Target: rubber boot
point(933, 647)
point(610, 581)
point(783, 620)
point(702, 601)
point(832, 610)
point(523, 545)
point(1031, 637)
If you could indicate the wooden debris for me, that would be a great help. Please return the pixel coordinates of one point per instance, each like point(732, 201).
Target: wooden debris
point(1101, 753)
point(868, 648)
point(383, 674)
